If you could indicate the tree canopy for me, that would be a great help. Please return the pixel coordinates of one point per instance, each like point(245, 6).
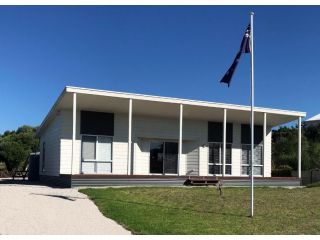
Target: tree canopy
point(285, 147)
point(15, 146)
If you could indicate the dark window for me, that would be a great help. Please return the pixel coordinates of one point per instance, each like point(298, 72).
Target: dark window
point(97, 123)
point(214, 153)
point(215, 169)
point(246, 134)
point(228, 169)
point(215, 132)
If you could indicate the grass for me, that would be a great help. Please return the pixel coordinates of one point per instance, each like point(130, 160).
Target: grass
point(165, 210)
point(311, 185)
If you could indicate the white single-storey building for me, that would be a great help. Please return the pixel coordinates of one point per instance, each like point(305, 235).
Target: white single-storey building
point(98, 134)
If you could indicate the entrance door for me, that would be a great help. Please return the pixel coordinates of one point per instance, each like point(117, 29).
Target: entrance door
point(163, 157)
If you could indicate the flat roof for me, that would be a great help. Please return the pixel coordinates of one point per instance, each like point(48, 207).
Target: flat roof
point(95, 96)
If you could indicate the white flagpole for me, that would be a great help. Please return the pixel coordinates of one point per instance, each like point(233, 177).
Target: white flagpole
point(252, 113)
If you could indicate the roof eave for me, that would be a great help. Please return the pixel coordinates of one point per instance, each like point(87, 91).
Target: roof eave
point(40, 128)
point(135, 96)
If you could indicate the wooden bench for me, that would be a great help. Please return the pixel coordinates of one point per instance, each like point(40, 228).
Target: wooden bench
point(201, 181)
point(19, 173)
point(204, 181)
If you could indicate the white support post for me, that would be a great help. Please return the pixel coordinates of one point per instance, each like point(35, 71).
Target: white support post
point(299, 147)
point(180, 140)
point(224, 142)
point(129, 136)
point(264, 141)
point(74, 122)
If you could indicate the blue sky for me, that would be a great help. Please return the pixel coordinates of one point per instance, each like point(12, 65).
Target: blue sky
point(177, 51)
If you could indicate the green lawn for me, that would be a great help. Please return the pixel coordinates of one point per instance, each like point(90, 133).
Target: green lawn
point(200, 210)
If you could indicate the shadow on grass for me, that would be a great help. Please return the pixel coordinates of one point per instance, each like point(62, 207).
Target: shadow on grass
point(168, 207)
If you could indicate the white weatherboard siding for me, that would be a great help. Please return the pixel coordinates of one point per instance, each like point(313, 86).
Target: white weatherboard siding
point(120, 144)
point(267, 160)
point(236, 150)
point(203, 160)
point(66, 144)
point(192, 161)
point(51, 137)
point(195, 151)
point(203, 151)
point(141, 155)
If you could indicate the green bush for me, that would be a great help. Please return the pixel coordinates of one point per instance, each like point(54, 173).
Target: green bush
point(15, 147)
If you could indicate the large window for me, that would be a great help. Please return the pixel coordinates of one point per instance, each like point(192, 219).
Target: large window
point(257, 159)
point(96, 154)
point(246, 150)
point(215, 139)
point(216, 158)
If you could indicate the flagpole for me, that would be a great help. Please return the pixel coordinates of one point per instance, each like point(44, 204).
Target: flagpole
point(252, 115)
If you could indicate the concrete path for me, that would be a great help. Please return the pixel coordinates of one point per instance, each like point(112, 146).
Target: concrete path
point(33, 209)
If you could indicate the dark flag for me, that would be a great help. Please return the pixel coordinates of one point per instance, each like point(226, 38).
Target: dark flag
point(244, 48)
point(245, 43)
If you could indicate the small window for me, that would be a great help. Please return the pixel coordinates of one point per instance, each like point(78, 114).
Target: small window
point(43, 156)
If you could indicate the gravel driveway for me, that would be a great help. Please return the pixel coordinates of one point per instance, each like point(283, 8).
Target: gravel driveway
point(33, 209)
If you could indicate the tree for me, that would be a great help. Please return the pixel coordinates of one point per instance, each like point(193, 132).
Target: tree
point(12, 154)
point(312, 132)
point(15, 147)
point(314, 153)
point(285, 148)
point(285, 144)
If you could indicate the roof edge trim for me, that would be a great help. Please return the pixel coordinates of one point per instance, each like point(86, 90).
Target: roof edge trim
point(145, 97)
point(51, 110)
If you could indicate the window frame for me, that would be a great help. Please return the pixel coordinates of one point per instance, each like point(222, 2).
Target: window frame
point(255, 165)
point(220, 159)
point(95, 161)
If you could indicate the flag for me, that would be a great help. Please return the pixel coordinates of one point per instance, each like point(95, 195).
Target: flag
point(245, 43)
point(244, 48)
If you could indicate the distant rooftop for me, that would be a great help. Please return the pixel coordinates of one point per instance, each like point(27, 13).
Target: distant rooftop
point(314, 118)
